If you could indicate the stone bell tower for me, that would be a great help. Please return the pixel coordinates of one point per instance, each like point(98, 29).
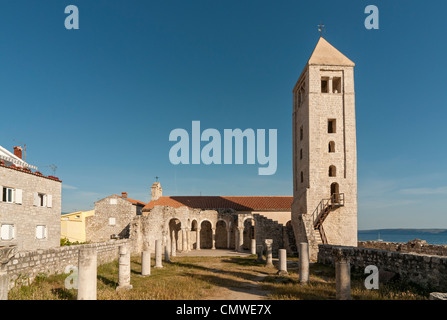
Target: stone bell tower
point(324, 208)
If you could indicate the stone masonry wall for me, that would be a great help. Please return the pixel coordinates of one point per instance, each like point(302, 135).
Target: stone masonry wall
point(269, 229)
point(427, 271)
point(414, 246)
point(24, 266)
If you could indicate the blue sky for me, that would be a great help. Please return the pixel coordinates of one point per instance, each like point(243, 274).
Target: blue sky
point(100, 102)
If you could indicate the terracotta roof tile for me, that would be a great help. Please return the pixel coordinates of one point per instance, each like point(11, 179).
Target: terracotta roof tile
point(239, 203)
point(136, 202)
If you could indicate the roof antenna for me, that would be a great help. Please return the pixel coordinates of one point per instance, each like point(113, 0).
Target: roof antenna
point(24, 149)
point(156, 179)
point(53, 167)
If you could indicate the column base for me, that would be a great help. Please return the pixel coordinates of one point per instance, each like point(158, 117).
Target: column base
point(127, 287)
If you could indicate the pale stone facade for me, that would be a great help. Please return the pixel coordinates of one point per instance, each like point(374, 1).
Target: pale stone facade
point(112, 218)
point(30, 217)
point(324, 151)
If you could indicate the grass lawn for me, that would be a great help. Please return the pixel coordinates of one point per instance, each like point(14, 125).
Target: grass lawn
point(199, 278)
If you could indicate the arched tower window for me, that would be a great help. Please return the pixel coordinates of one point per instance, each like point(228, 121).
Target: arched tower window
point(332, 171)
point(331, 146)
point(302, 177)
point(335, 193)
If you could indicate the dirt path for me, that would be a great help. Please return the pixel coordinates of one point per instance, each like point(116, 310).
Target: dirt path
point(249, 290)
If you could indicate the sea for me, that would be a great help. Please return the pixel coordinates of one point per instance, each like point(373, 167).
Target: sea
point(432, 236)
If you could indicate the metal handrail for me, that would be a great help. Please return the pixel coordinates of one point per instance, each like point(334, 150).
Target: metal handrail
point(337, 199)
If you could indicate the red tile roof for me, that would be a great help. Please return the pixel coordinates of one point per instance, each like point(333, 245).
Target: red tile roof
point(136, 202)
point(239, 203)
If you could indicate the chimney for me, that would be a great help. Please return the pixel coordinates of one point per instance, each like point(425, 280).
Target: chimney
point(124, 195)
point(18, 152)
point(156, 191)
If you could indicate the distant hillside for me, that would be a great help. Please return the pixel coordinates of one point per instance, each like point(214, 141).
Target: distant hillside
point(405, 231)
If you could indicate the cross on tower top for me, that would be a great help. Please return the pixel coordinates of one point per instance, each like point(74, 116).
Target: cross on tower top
point(156, 178)
point(321, 29)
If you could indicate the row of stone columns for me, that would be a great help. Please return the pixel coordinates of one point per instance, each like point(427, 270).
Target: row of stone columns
point(87, 269)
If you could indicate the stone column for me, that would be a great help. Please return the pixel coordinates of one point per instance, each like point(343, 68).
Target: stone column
point(145, 263)
point(330, 86)
point(87, 273)
point(188, 239)
point(253, 246)
point(4, 286)
point(268, 252)
point(236, 239)
point(259, 250)
point(283, 262)
point(228, 238)
point(166, 247)
point(173, 244)
point(184, 242)
point(342, 275)
point(213, 238)
point(304, 262)
point(124, 268)
point(198, 239)
point(240, 245)
point(158, 254)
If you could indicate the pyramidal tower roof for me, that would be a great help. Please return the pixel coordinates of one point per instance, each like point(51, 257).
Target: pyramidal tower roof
point(325, 54)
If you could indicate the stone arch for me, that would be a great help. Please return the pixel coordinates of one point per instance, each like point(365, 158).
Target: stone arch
point(249, 232)
point(221, 235)
point(174, 234)
point(206, 234)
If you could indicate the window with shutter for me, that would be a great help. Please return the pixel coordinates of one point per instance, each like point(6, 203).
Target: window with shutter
point(7, 194)
point(7, 232)
point(40, 232)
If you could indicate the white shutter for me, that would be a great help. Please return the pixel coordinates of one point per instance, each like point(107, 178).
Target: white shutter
point(40, 232)
point(36, 199)
point(4, 232)
point(44, 200)
point(45, 232)
point(7, 232)
point(49, 201)
point(19, 196)
point(1, 193)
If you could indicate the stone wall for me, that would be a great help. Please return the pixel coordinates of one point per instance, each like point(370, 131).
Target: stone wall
point(269, 229)
point(24, 266)
point(414, 246)
point(427, 271)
